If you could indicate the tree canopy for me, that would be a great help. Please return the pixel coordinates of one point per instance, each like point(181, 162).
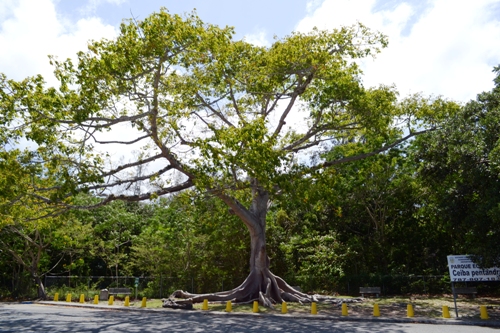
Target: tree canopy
point(207, 110)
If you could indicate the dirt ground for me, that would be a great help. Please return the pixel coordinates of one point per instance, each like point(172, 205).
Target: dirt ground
point(423, 306)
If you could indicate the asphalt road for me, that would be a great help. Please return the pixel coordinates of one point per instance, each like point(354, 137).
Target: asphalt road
point(45, 318)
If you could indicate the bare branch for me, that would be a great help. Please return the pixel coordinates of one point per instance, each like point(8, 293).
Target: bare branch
point(139, 197)
point(365, 155)
point(131, 165)
point(131, 180)
point(111, 121)
point(217, 113)
point(239, 210)
point(299, 90)
point(296, 145)
point(124, 142)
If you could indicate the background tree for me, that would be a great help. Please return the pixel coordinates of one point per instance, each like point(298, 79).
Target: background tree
point(459, 165)
point(193, 238)
point(33, 244)
point(362, 211)
point(222, 115)
point(114, 229)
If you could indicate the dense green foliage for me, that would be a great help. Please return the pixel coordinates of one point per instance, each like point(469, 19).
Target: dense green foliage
point(459, 167)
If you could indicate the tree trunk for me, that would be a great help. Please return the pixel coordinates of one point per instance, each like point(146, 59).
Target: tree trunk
point(261, 284)
point(41, 288)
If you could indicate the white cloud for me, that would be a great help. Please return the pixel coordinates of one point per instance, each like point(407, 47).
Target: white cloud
point(91, 7)
point(259, 38)
point(450, 48)
point(5, 8)
point(312, 5)
point(32, 30)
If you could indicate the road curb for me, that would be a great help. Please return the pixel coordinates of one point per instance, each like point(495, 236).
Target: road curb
point(414, 320)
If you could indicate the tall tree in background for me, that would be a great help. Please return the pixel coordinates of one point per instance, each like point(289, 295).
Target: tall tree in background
point(460, 166)
point(193, 238)
point(222, 115)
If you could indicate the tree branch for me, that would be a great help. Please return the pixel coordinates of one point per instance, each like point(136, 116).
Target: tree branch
point(365, 155)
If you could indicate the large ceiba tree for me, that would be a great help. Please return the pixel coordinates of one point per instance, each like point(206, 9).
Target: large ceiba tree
point(203, 110)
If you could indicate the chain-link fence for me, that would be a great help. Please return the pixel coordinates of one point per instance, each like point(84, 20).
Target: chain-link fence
point(398, 284)
point(164, 286)
point(149, 286)
point(389, 284)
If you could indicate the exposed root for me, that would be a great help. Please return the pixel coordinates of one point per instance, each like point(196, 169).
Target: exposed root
point(262, 286)
point(266, 301)
point(290, 294)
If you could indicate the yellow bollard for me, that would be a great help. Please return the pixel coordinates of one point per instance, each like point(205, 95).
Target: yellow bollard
point(96, 299)
point(284, 308)
point(484, 312)
point(205, 304)
point(143, 303)
point(314, 309)
point(344, 309)
point(229, 307)
point(68, 298)
point(111, 300)
point(82, 298)
point(376, 310)
point(409, 310)
point(56, 297)
point(255, 307)
point(446, 312)
point(127, 301)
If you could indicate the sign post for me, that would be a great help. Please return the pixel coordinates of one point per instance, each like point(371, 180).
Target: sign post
point(463, 269)
point(454, 298)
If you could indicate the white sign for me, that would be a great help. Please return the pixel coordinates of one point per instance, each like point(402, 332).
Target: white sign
point(462, 269)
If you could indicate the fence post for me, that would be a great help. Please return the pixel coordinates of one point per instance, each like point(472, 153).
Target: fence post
point(136, 284)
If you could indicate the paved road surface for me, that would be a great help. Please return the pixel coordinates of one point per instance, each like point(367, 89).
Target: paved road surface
point(45, 318)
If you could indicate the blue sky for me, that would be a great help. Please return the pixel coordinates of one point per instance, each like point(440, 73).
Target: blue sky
point(275, 16)
point(437, 47)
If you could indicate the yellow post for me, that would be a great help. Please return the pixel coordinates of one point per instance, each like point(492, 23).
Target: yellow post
point(56, 297)
point(205, 304)
point(255, 307)
point(344, 309)
point(143, 303)
point(284, 309)
point(111, 300)
point(409, 310)
point(314, 309)
point(446, 312)
point(82, 298)
point(96, 299)
point(229, 307)
point(68, 298)
point(376, 310)
point(127, 301)
point(484, 312)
